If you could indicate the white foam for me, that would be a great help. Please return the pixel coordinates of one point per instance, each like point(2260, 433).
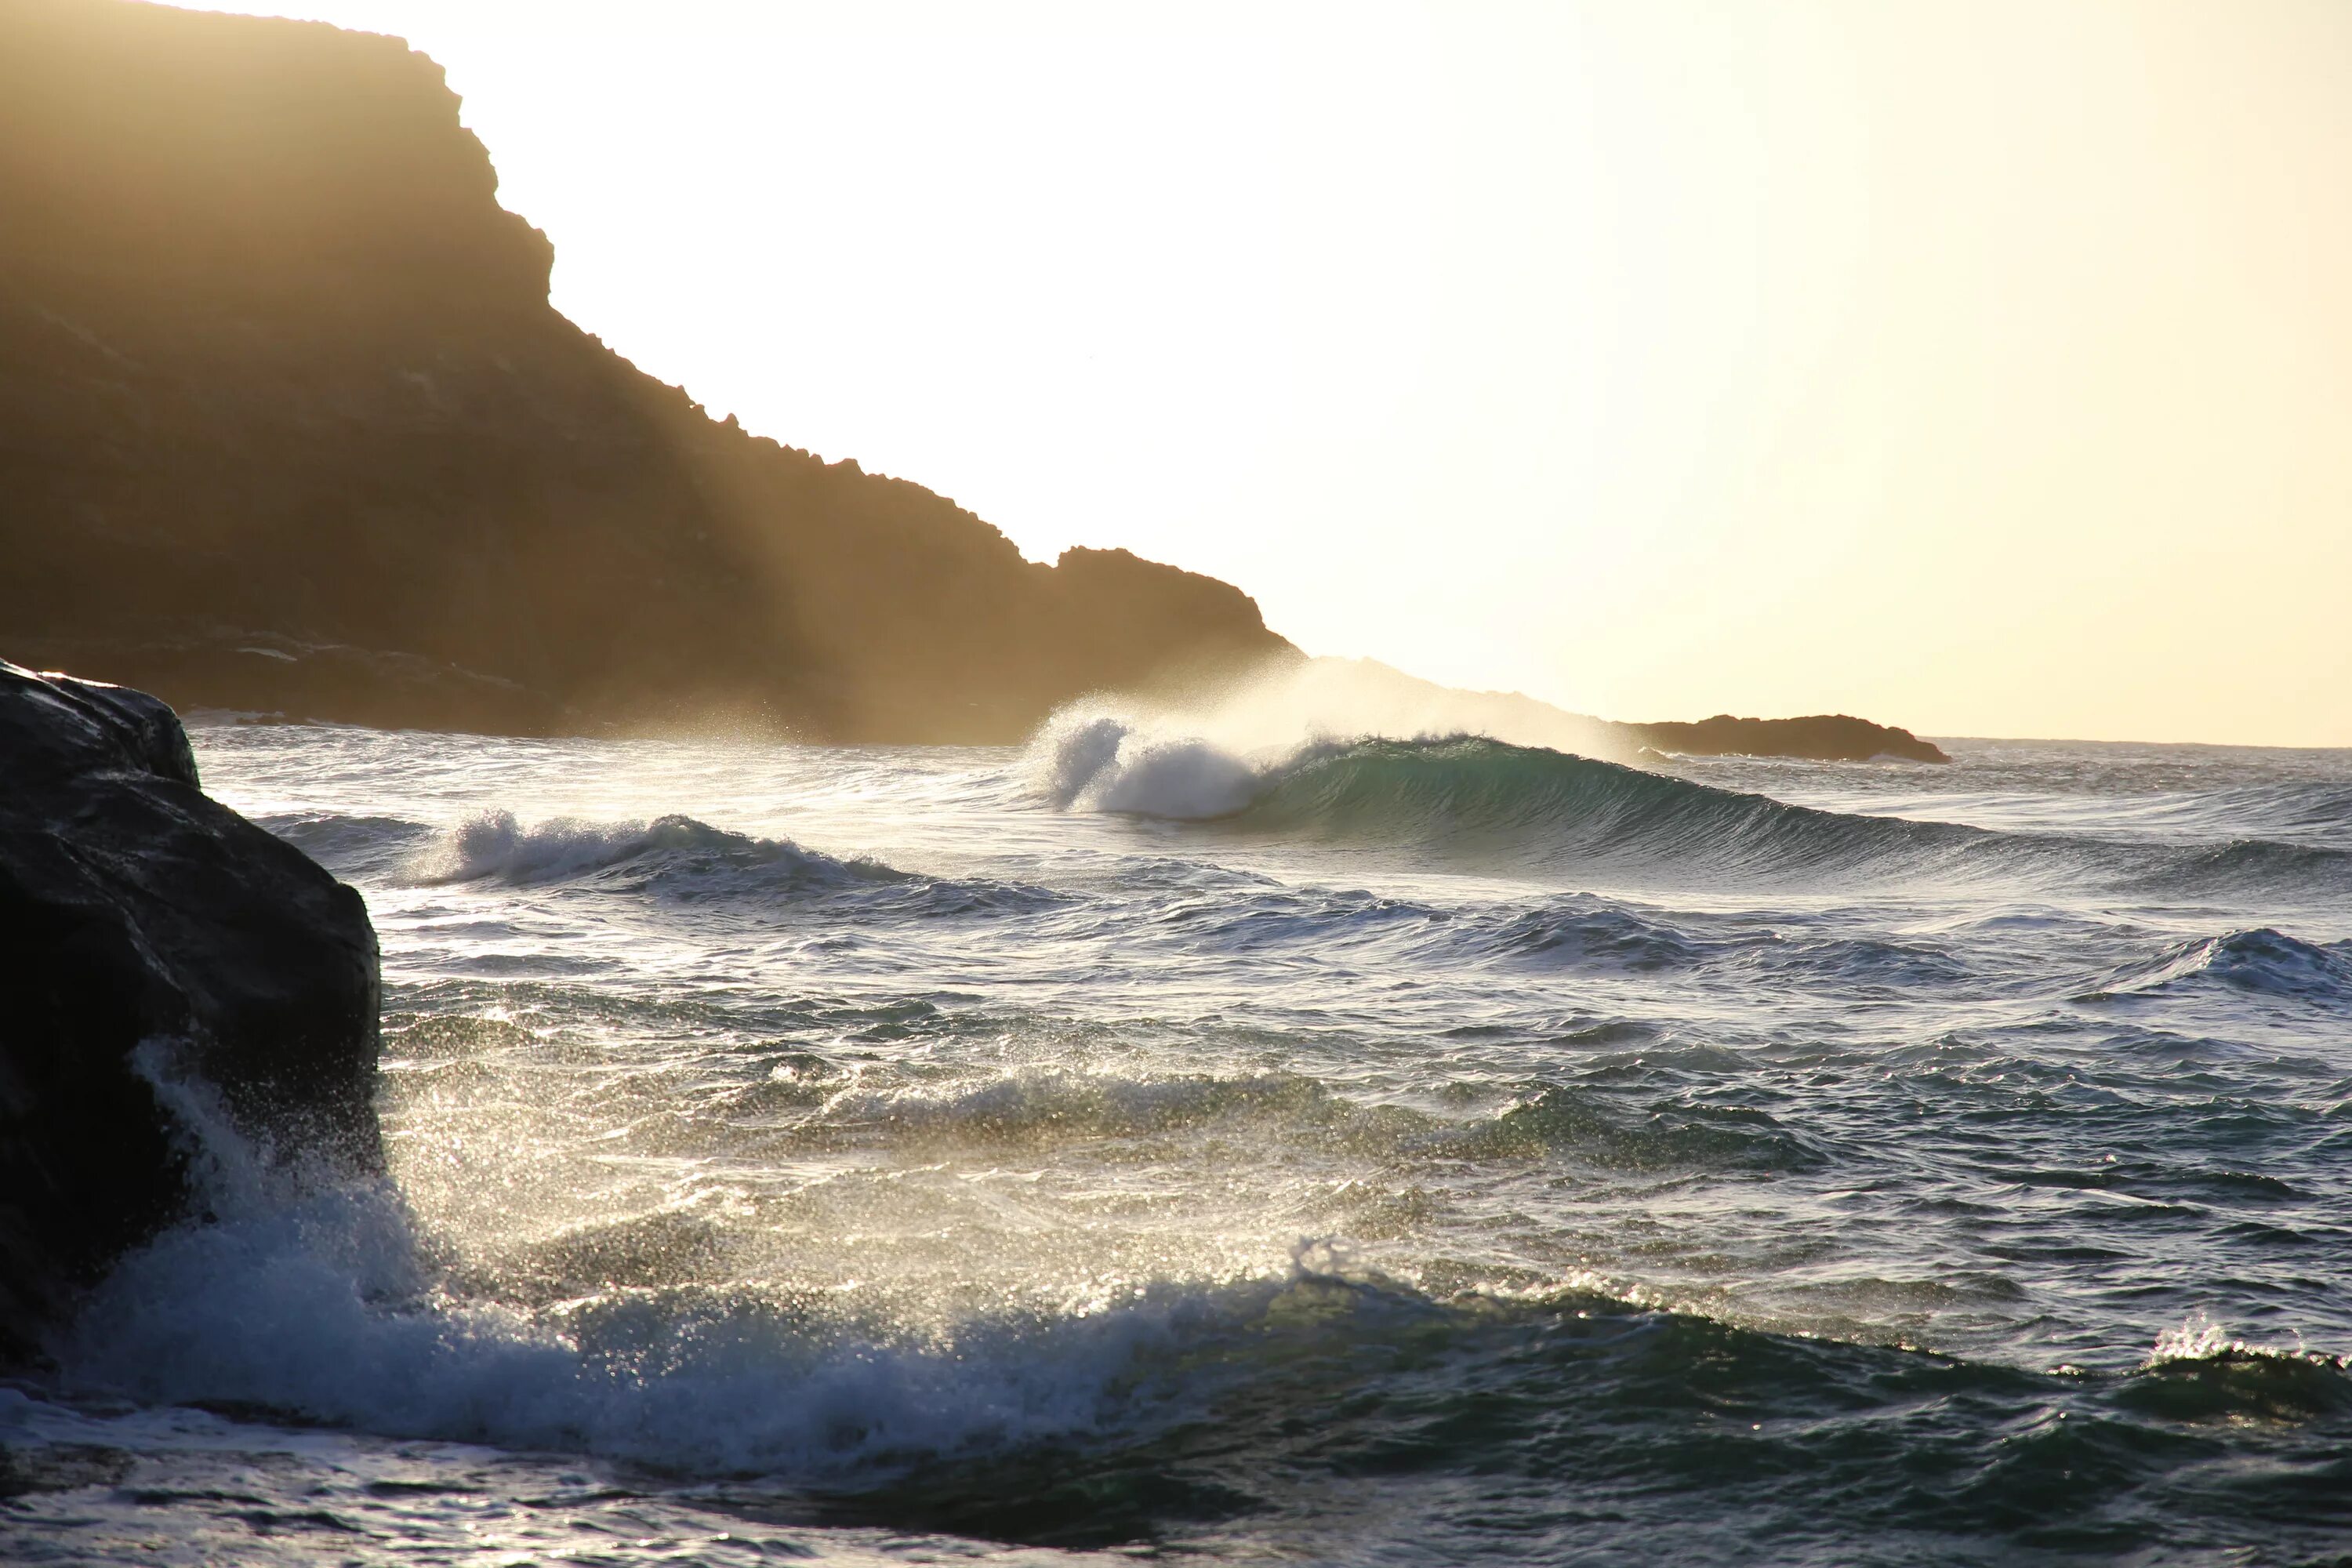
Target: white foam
point(2200, 1338)
point(325, 1302)
point(1083, 761)
point(494, 844)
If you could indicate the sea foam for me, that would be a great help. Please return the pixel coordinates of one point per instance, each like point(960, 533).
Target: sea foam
point(328, 1300)
point(494, 846)
point(1082, 762)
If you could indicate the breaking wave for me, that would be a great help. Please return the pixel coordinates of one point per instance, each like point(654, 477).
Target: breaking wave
point(1469, 794)
point(1081, 762)
point(676, 858)
point(1414, 791)
point(495, 847)
point(331, 1309)
point(325, 1300)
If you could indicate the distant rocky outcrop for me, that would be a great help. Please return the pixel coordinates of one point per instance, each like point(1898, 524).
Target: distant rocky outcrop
point(1826, 737)
point(148, 933)
point(286, 423)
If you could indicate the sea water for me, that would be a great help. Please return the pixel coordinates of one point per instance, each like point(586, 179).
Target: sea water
point(1359, 1151)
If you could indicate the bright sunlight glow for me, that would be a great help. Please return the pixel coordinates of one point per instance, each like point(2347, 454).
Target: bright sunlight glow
point(1984, 368)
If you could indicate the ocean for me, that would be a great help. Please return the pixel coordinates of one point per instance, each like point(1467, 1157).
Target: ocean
point(1354, 1152)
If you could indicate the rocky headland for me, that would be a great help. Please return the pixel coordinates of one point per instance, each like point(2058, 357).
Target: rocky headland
point(288, 425)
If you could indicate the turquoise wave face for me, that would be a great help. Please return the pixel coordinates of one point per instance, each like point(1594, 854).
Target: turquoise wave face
point(1482, 798)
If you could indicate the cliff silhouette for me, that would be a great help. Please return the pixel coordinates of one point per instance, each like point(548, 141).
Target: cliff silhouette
point(286, 423)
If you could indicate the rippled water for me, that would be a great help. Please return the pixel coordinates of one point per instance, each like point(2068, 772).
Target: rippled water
point(1379, 1151)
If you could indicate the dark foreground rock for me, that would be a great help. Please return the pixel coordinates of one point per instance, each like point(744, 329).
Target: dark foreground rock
point(143, 926)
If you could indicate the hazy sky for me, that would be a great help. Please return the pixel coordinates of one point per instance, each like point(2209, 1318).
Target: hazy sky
point(1980, 367)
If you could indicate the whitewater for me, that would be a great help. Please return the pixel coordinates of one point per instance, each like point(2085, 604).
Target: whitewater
point(1336, 1149)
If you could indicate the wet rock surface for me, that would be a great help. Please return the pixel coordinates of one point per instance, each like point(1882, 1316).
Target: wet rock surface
point(149, 932)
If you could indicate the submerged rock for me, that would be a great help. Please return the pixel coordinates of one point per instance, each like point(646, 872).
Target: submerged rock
point(148, 932)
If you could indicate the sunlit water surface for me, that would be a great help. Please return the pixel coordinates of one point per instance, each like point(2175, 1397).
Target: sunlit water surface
point(1403, 1153)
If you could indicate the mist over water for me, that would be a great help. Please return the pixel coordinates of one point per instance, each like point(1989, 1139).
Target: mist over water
point(1242, 1138)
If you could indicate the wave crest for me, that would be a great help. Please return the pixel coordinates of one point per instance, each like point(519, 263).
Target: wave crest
point(2262, 961)
point(494, 846)
point(1097, 762)
point(1457, 788)
point(1469, 795)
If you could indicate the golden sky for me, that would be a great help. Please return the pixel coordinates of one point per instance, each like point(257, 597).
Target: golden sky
point(1983, 367)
